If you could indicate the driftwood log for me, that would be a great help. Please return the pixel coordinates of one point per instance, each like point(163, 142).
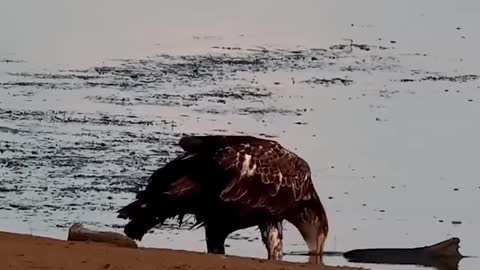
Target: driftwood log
point(79, 233)
point(444, 255)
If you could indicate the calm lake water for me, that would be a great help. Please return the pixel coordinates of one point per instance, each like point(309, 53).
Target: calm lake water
point(382, 98)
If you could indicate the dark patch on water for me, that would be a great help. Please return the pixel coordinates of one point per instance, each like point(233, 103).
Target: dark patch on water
point(240, 237)
point(75, 117)
point(188, 99)
point(210, 69)
point(59, 76)
point(328, 82)
point(9, 60)
point(352, 45)
point(11, 130)
point(437, 77)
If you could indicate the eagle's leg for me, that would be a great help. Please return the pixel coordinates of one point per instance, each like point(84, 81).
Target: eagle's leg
point(215, 238)
point(272, 236)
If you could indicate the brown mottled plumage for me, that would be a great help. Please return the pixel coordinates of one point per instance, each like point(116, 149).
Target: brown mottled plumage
point(230, 183)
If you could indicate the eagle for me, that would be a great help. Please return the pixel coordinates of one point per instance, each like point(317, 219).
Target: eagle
point(229, 183)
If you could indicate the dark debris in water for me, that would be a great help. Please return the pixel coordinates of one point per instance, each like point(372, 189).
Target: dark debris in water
point(352, 45)
point(436, 77)
point(195, 70)
point(9, 60)
point(187, 99)
point(238, 236)
point(74, 117)
point(458, 78)
point(328, 82)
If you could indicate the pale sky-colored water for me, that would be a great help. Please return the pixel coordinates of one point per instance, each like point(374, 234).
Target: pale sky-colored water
point(90, 31)
point(407, 164)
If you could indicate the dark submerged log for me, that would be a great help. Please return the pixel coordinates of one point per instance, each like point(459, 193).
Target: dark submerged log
point(444, 255)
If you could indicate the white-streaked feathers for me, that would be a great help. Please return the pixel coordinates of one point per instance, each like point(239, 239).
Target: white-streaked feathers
point(246, 170)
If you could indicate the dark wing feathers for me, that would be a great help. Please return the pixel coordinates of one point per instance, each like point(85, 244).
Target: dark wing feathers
point(195, 144)
point(255, 172)
point(264, 175)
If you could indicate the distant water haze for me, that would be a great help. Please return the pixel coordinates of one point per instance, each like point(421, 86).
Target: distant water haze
point(89, 31)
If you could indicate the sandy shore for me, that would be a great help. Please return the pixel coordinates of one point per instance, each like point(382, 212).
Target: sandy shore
point(20, 251)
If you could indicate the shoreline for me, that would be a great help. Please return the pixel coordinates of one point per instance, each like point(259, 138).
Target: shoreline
point(23, 251)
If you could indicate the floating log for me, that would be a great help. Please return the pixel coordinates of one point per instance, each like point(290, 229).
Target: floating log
point(79, 233)
point(442, 255)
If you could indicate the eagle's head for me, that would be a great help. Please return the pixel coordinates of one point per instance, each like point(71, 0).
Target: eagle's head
point(312, 223)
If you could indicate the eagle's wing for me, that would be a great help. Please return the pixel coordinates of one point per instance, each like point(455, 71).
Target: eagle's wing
point(264, 175)
point(206, 143)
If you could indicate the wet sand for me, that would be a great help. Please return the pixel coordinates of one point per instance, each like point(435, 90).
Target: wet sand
point(21, 251)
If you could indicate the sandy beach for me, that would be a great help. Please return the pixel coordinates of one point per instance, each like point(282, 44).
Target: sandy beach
point(21, 251)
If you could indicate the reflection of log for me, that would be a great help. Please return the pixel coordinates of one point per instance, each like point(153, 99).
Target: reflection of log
point(443, 255)
point(78, 233)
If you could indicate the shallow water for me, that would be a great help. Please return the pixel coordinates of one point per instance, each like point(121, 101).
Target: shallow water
point(93, 97)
